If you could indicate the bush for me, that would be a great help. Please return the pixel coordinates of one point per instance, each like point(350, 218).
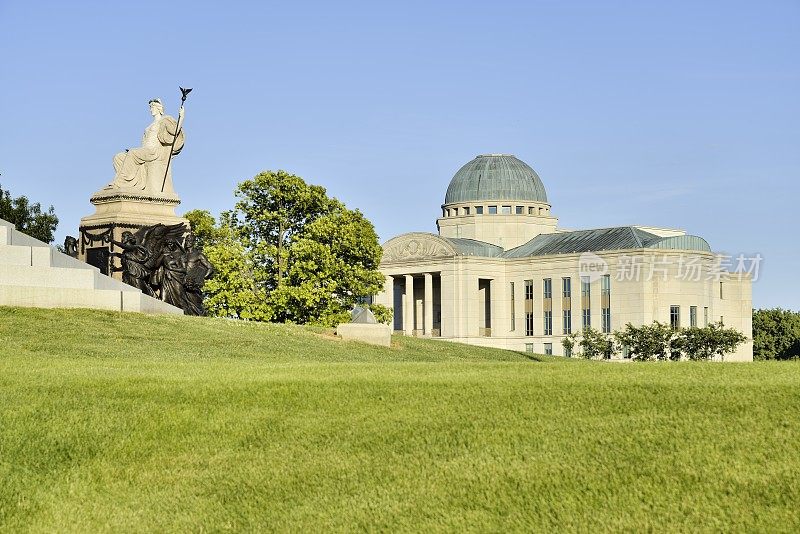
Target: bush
point(660, 342)
point(647, 342)
point(710, 341)
point(593, 344)
point(776, 334)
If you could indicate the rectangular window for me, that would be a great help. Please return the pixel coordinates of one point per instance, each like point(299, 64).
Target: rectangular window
point(505, 210)
point(720, 290)
point(605, 303)
point(705, 316)
point(520, 210)
point(626, 352)
point(492, 210)
point(675, 317)
point(548, 349)
point(605, 284)
point(548, 323)
point(568, 352)
point(721, 320)
point(478, 210)
point(566, 305)
point(548, 288)
point(466, 210)
point(513, 318)
point(692, 315)
point(531, 211)
point(528, 347)
point(528, 307)
point(586, 302)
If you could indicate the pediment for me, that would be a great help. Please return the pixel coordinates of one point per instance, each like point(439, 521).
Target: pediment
point(416, 246)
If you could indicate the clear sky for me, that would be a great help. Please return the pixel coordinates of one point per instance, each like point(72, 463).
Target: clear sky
point(677, 114)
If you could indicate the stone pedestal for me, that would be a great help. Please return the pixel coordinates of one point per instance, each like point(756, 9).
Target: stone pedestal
point(375, 334)
point(116, 211)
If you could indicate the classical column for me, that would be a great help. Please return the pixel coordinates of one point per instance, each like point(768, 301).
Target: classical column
point(428, 308)
point(387, 297)
point(450, 303)
point(408, 306)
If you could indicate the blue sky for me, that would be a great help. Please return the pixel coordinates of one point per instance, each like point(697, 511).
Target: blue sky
point(679, 114)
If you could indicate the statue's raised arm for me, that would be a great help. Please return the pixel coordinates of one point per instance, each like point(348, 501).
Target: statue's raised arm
point(145, 169)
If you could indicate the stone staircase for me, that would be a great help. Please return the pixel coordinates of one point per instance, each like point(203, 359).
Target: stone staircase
point(35, 275)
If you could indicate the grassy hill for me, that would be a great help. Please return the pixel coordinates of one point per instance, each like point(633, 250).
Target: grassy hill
point(122, 422)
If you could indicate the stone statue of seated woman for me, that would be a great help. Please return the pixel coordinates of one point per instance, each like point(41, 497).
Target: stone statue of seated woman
point(142, 170)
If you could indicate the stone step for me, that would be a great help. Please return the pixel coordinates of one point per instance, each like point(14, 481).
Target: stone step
point(9, 235)
point(25, 255)
point(98, 299)
point(27, 275)
point(34, 274)
point(43, 258)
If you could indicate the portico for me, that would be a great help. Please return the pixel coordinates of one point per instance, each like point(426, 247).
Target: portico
point(417, 303)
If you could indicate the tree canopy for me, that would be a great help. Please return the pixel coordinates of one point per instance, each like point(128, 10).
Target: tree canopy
point(232, 290)
point(592, 343)
point(28, 217)
point(776, 334)
point(705, 343)
point(658, 341)
point(287, 252)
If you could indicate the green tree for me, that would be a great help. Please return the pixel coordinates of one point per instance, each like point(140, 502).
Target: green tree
point(776, 334)
point(647, 342)
point(28, 218)
point(333, 262)
point(232, 290)
point(203, 226)
point(710, 341)
point(273, 209)
point(312, 257)
point(593, 343)
point(657, 341)
point(569, 344)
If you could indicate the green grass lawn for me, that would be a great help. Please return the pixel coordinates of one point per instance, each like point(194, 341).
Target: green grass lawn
point(122, 422)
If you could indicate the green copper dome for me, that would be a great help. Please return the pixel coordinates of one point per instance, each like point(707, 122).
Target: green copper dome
point(495, 177)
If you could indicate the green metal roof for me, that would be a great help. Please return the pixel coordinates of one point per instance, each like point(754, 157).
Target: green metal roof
point(473, 247)
point(581, 241)
point(495, 177)
point(617, 238)
point(681, 242)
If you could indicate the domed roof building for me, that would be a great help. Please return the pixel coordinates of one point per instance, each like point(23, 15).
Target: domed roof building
point(501, 273)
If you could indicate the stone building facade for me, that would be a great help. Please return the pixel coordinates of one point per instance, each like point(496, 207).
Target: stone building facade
point(501, 273)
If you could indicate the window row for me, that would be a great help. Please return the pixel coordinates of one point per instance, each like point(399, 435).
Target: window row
point(675, 316)
point(566, 287)
point(566, 321)
point(494, 210)
point(566, 305)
